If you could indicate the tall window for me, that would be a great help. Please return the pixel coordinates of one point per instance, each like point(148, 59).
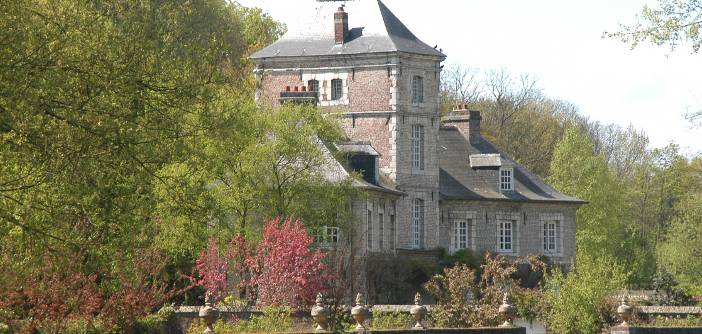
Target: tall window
point(369, 223)
point(417, 89)
point(337, 89)
point(505, 235)
point(460, 234)
point(392, 232)
point(381, 224)
point(417, 147)
point(506, 179)
point(313, 85)
point(550, 239)
point(418, 223)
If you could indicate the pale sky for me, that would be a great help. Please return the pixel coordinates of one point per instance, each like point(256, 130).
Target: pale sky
point(560, 43)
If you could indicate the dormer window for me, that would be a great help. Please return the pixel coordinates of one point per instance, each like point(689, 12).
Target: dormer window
point(506, 179)
point(417, 89)
point(337, 89)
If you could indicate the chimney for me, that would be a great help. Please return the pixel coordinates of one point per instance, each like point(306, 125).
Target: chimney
point(341, 25)
point(467, 122)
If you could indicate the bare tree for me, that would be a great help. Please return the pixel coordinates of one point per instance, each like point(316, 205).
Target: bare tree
point(509, 94)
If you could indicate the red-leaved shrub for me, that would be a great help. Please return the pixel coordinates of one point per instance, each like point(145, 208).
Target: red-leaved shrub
point(283, 270)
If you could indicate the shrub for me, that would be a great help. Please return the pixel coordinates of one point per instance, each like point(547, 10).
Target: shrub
point(578, 303)
point(273, 320)
point(392, 320)
point(282, 270)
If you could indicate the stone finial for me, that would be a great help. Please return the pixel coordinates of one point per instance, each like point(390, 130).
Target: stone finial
point(320, 313)
point(359, 313)
point(208, 313)
point(625, 311)
point(507, 311)
point(418, 311)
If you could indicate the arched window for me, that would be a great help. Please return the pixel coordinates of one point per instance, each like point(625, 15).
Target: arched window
point(417, 89)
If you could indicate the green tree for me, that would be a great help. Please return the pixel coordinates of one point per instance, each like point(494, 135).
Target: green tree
point(680, 252)
point(577, 171)
point(578, 302)
point(671, 23)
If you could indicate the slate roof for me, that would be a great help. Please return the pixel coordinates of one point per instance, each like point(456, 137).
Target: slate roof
point(373, 28)
point(457, 180)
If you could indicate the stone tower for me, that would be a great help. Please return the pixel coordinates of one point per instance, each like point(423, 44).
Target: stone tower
point(368, 67)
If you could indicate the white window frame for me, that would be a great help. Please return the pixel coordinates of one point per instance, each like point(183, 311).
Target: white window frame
point(550, 240)
point(460, 233)
point(417, 89)
point(506, 179)
point(327, 236)
point(505, 235)
point(417, 223)
point(417, 146)
point(334, 95)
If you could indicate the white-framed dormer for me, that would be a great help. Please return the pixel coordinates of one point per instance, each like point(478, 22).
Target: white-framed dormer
point(505, 179)
point(551, 233)
point(333, 86)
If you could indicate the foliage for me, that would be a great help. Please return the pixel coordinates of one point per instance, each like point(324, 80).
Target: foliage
point(661, 321)
point(453, 288)
point(671, 23)
point(273, 320)
point(679, 252)
point(392, 320)
point(282, 270)
point(577, 303)
point(667, 291)
point(395, 279)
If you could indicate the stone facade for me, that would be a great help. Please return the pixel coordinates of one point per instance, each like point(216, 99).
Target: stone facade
point(390, 100)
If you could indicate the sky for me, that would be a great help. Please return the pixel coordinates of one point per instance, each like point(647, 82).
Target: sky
point(560, 43)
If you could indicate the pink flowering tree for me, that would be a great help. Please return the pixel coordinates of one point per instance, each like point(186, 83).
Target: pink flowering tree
point(283, 270)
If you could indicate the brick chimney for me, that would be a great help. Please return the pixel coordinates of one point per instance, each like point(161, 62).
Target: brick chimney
point(467, 122)
point(341, 25)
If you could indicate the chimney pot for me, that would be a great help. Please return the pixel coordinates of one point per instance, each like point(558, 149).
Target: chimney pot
point(287, 88)
point(304, 88)
point(296, 88)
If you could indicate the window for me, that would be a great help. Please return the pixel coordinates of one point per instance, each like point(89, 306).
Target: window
point(550, 233)
point(326, 236)
point(417, 147)
point(392, 232)
point(369, 237)
point(337, 89)
point(313, 85)
point(506, 179)
point(460, 234)
point(417, 89)
point(505, 235)
point(418, 223)
point(381, 223)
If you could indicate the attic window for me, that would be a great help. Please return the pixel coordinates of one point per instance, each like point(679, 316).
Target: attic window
point(506, 179)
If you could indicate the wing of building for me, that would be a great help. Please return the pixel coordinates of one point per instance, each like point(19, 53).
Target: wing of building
point(433, 181)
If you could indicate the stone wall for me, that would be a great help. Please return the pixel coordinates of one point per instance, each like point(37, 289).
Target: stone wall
point(483, 219)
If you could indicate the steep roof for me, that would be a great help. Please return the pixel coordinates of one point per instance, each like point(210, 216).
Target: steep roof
point(373, 28)
point(457, 180)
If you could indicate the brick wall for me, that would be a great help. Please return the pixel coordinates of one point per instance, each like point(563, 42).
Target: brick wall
point(369, 90)
point(272, 83)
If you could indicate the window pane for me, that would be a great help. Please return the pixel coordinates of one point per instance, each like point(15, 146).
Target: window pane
point(337, 89)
